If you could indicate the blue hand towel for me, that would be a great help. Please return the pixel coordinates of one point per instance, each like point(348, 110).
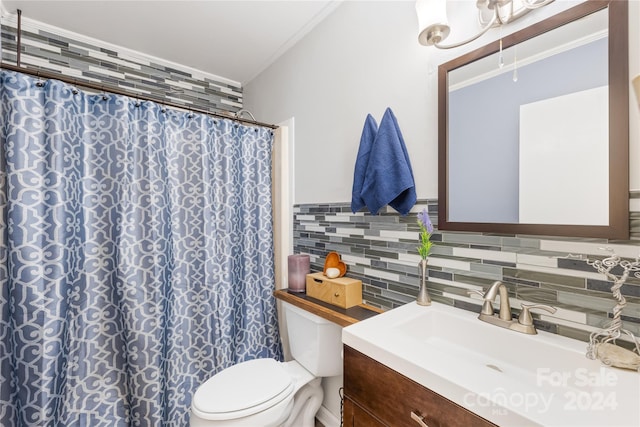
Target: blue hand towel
point(389, 178)
point(366, 141)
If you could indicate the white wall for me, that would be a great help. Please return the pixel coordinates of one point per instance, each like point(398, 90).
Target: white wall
point(363, 58)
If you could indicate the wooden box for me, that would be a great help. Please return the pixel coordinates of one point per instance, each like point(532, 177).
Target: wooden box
point(342, 291)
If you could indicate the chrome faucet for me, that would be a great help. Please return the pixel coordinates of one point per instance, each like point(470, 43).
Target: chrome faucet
point(524, 323)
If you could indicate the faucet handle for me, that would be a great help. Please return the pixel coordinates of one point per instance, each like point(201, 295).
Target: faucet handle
point(487, 305)
point(475, 291)
point(525, 315)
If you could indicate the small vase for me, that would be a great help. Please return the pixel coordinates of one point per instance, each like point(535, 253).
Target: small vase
point(423, 295)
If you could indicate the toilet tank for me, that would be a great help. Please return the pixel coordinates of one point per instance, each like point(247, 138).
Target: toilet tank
point(315, 343)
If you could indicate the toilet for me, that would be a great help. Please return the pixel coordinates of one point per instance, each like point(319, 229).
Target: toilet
point(269, 393)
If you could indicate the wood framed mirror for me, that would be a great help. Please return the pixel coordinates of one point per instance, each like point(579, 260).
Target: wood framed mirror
point(540, 145)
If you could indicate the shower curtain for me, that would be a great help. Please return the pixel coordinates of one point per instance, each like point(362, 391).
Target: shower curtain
point(136, 258)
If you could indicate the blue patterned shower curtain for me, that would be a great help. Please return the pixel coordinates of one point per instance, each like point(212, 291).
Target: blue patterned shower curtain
point(136, 256)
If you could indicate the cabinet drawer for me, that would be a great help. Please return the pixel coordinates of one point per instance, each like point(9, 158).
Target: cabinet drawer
point(391, 397)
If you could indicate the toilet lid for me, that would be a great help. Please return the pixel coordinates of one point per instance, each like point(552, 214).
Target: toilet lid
point(243, 389)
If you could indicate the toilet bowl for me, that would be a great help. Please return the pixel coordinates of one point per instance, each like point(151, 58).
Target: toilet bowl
point(269, 393)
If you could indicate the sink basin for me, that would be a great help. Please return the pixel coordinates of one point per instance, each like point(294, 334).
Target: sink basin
point(470, 341)
point(507, 377)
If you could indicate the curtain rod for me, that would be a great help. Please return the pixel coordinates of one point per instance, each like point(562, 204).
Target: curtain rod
point(119, 91)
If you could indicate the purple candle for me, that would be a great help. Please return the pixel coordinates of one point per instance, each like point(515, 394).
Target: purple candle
point(298, 270)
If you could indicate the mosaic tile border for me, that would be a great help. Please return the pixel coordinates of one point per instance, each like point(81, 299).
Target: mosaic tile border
point(381, 251)
point(56, 50)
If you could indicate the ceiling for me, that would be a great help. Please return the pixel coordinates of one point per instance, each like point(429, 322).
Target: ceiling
point(234, 39)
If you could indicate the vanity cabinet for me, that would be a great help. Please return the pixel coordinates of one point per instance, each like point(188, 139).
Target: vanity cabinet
point(375, 395)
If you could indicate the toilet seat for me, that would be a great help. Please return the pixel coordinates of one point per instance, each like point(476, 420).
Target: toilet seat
point(243, 390)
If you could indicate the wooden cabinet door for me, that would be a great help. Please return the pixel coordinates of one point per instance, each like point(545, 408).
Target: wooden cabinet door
point(396, 400)
point(354, 416)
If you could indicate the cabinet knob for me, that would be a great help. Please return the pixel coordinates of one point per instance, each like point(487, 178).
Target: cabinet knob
point(336, 295)
point(419, 419)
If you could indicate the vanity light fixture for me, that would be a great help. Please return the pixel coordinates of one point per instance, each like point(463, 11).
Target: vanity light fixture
point(433, 24)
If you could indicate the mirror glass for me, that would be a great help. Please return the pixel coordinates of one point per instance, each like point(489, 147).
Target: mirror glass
point(531, 131)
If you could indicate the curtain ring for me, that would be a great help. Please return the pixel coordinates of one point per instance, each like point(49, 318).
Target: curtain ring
point(39, 83)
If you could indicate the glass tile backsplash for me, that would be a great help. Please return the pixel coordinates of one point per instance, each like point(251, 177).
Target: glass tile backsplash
point(381, 251)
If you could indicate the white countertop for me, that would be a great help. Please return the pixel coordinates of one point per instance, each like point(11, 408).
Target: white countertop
point(509, 378)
